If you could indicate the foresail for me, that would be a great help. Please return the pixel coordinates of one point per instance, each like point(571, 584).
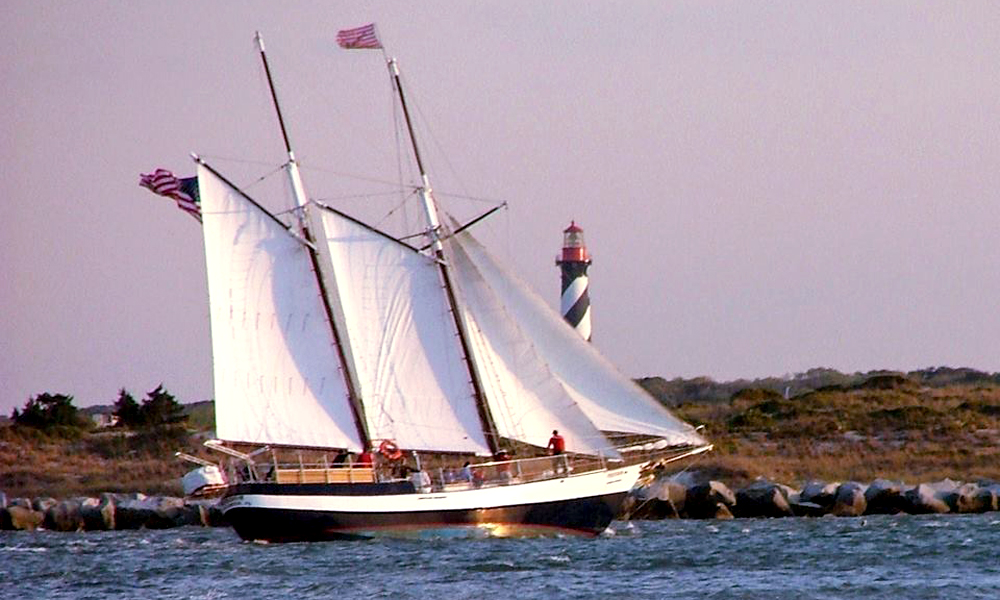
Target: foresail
point(277, 376)
point(414, 384)
point(612, 402)
point(526, 400)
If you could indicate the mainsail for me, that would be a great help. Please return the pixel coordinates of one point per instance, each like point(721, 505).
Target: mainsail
point(277, 376)
point(413, 383)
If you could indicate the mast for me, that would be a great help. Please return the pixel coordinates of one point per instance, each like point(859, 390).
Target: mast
point(299, 193)
point(434, 239)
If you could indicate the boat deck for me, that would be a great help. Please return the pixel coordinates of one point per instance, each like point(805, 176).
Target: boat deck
point(325, 475)
point(445, 478)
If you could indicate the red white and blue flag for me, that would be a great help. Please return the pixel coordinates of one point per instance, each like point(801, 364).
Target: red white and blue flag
point(184, 191)
point(359, 38)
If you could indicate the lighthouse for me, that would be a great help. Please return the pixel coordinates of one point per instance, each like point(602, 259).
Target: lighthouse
point(573, 263)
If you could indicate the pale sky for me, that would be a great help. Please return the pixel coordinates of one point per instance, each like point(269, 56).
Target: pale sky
point(765, 187)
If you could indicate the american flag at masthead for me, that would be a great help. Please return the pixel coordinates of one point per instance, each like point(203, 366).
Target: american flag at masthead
point(359, 38)
point(184, 191)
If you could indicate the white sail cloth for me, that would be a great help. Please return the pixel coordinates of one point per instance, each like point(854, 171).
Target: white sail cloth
point(526, 400)
point(413, 380)
point(611, 401)
point(277, 379)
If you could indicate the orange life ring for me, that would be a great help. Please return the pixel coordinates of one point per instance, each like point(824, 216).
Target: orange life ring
point(390, 450)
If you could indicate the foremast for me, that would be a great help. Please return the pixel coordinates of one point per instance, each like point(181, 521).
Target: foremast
point(433, 234)
point(334, 313)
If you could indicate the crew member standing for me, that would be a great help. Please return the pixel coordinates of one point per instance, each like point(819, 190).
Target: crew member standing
point(557, 445)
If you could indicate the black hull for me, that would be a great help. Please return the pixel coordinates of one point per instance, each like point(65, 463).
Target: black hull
point(578, 516)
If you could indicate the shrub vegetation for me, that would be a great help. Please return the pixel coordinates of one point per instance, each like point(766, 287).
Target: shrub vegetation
point(919, 426)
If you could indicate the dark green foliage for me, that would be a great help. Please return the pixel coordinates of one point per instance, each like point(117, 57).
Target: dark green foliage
point(157, 427)
point(779, 408)
point(160, 408)
point(127, 410)
point(752, 418)
point(890, 381)
point(49, 412)
point(905, 417)
point(150, 442)
point(201, 415)
point(754, 396)
point(990, 410)
point(762, 409)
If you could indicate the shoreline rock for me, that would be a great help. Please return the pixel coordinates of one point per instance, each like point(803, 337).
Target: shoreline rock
point(767, 499)
point(108, 512)
point(763, 498)
point(664, 498)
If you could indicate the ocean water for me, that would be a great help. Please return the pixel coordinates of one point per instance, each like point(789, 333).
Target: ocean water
point(902, 557)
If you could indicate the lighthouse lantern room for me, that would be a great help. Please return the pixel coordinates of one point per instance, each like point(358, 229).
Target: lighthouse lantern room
point(573, 263)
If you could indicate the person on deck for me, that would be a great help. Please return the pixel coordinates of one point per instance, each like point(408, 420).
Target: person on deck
point(557, 445)
point(503, 469)
point(364, 459)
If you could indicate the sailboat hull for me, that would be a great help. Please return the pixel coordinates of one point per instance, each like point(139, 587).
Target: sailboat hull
point(574, 505)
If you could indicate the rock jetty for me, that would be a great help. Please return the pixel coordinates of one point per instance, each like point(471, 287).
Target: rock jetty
point(106, 513)
point(687, 497)
point(683, 497)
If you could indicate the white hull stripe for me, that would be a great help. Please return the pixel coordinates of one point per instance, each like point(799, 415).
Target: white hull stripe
point(552, 490)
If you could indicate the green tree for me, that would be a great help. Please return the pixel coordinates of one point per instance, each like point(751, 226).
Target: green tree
point(45, 411)
point(161, 408)
point(127, 410)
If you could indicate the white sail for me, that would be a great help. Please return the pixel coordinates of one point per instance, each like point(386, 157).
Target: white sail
point(414, 383)
point(277, 375)
point(527, 402)
point(612, 402)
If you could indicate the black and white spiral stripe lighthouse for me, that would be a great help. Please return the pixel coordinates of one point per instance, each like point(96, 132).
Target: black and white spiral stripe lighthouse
point(573, 263)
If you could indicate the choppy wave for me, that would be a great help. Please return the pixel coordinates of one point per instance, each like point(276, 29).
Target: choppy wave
point(911, 557)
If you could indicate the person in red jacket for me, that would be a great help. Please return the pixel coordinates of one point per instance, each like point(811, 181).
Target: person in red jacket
point(557, 445)
point(364, 459)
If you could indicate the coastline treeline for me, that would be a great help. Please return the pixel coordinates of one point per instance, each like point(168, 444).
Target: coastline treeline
point(679, 390)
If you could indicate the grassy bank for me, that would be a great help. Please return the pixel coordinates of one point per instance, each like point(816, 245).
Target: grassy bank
point(63, 464)
point(893, 428)
point(913, 427)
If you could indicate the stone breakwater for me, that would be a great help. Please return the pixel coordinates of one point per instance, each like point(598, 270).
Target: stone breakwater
point(685, 497)
point(107, 512)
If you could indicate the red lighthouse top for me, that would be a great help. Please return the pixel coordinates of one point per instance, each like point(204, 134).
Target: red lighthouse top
point(574, 248)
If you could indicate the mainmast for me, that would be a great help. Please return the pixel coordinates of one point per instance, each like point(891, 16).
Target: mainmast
point(299, 193)
point(434, 241)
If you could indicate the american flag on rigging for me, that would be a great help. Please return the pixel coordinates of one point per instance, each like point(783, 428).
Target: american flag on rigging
point(184, 191)
point(359, 38)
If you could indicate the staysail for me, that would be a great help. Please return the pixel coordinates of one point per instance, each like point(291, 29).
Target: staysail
point(277, 376)
point(527, 402)
point(414, 384)
point(611, 401)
